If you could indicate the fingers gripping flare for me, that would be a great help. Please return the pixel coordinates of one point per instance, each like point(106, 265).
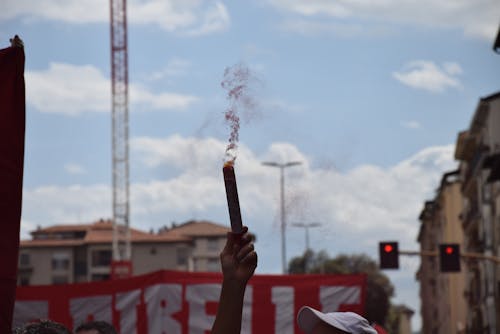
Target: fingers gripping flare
point(238, 258)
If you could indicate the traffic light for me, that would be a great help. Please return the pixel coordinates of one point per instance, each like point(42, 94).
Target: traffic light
point(389, 255)
point(449, 258)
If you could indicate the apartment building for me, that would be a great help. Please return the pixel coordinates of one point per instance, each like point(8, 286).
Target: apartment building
point(478, 150)
point(443, 305)
point(404, 315)
point(428, 269)
point(81, 253)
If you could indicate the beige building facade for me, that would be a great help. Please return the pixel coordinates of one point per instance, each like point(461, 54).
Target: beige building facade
point(404, 319)
point(478, 150)
point(81, 253)
point(443, 304)
point(474, 192)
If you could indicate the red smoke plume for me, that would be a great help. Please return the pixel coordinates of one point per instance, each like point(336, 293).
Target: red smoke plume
point(236, 82)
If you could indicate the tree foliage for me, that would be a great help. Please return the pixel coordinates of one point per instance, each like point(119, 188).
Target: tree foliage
point(379, 288)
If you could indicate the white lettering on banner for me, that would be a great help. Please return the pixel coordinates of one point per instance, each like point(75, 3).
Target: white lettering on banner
point(26, 311)
point(162, 301)
point(127, 303)
point(283, 299)
point(331, 297)
point(97, 308)
point(197, 296)
point(168, 305)
point(246, 324)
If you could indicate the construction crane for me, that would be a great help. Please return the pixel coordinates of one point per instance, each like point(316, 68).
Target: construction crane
point(121, 264)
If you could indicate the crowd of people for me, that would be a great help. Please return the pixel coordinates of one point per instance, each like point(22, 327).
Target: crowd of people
point(51, 327)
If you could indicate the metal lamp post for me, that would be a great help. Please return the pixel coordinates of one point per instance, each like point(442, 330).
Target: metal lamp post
point(282, 167)
point(306, 226)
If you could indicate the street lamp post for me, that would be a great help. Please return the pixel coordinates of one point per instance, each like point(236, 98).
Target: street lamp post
point(282, 167)
point(306, 226)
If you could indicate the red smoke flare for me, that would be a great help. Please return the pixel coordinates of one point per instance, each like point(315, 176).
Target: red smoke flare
point(236, 82)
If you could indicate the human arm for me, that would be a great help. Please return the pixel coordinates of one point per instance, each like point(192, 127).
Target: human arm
point(238, 261)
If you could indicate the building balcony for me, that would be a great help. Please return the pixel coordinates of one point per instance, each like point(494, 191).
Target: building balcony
point(492, 163)
point(464, 149)
point(471, 219)
point(473, 167)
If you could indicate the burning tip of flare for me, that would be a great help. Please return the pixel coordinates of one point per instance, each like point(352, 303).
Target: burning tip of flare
point(229, 163)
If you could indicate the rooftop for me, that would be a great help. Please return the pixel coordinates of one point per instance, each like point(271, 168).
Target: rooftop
point(101, 232)
point(195, 228)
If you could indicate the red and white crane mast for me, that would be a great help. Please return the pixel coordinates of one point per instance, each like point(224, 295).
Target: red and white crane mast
point(120, 149)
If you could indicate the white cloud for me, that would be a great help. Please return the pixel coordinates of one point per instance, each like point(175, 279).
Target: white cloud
point(426, 75)
point(308, 27)
point(411, 124)
point(176, 151)
point(212, 20)
point(452, 68)
point(49, 205)
point(190, 17)
point(71, 89)
point(175, 67)
point(366, 203)
point(474, 18)
point(73, 168)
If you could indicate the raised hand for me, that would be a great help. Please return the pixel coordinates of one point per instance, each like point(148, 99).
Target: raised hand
point(238, 258)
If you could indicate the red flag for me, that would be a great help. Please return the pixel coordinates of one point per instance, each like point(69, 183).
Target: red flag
point(12, 127)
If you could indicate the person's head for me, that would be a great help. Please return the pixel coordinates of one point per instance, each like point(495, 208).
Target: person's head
point(42, 327)
point(312, 321)
point(95, 327)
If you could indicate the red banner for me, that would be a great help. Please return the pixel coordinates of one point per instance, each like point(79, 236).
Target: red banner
point(12, 124)
point(181, 302)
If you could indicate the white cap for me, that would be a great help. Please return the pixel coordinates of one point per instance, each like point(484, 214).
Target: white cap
point(349, 322)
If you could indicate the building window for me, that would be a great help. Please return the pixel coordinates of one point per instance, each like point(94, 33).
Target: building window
point(60, 261)
point(213, 244)
point(100, 277)
point(24, 281)
point(80, 268)
point(59, 279)
point(196, 264)
point(24, 259)
point(213, 265)
point(101, 258)
point(182, 256)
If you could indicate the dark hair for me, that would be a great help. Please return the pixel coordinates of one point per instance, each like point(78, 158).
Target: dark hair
point(102, 327)
point(42, 327)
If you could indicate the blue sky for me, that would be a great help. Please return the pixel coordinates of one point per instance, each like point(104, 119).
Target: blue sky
point(369, 96)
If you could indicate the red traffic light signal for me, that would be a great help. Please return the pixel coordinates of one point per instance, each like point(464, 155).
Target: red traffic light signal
point(449, 258)
point(389, 255)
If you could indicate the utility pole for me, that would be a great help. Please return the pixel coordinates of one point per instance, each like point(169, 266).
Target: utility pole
point(282, 167)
